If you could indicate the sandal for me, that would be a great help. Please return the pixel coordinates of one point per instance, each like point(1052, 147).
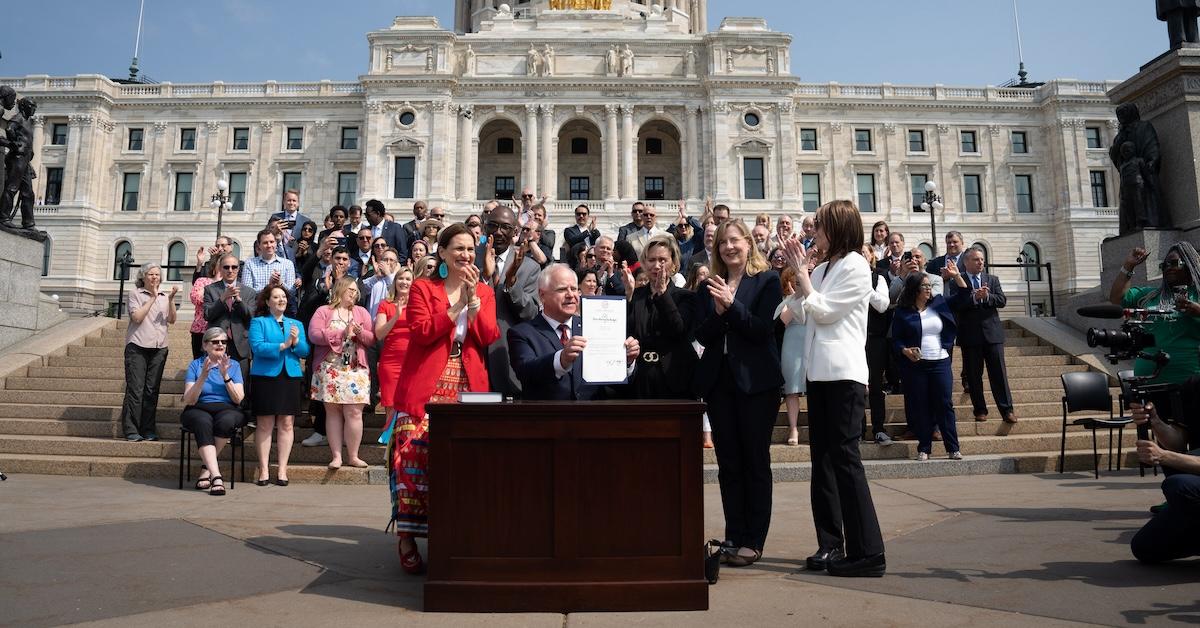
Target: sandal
point(207, 482)
point(411, 561)
point(738, 560)
point(216, 489)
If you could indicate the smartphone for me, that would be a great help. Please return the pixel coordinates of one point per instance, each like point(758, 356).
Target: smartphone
point(907, 256)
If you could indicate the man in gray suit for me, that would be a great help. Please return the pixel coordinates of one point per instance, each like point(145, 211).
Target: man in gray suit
point(229, 304)
point(505, 265)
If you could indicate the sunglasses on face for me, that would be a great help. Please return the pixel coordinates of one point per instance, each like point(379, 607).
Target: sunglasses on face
point(499, 226)
point(217, 342)
point(581, 215)
point(366, 238)
point(229, 267)
point(590, 256)
point(526, 196)
point(1175, 263)
point(926, 286)
point(381, 245)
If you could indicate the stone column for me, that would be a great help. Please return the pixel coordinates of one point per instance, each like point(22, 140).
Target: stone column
point(268, 170)
point(39, 138)
point(611, 173)
point(466, 174)
point(692, 172)
point(548, 176)
point(530, 146)
point(208, 172)
point(628, 141)
point(435, 162)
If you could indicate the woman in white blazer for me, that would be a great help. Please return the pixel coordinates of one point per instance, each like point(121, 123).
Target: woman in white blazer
point(833, 304)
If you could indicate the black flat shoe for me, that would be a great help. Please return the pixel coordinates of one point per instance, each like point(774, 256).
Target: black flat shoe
point(262, 482)
point(864, 567)
point(279, 482)
point(820, 561)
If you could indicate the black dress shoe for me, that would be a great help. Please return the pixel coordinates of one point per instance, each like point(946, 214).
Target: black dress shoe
point(864, 567)
point(820, 561)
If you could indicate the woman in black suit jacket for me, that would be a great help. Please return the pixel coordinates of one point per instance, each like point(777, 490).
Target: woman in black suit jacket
point(660, 317)
point(739, 377)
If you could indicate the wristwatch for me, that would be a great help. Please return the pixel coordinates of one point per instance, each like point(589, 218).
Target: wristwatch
point(228, 379)
point(1127, 272)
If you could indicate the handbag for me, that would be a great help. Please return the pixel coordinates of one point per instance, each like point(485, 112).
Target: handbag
point(714, 552)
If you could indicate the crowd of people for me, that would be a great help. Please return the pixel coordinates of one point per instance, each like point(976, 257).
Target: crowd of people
point(361, 312)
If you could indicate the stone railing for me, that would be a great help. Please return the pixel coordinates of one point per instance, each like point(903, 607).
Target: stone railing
point(216, 89)
point(992, 94)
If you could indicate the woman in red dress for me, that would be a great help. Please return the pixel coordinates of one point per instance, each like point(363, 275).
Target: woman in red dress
point(391, 324)
point(452, 320)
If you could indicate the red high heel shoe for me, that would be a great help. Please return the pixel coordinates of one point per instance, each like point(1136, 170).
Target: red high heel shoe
point(411, 561)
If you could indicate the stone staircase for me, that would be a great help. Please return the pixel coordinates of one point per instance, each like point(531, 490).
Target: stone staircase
point(63, 418)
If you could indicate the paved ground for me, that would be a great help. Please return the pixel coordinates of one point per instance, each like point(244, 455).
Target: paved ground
point(998, 550)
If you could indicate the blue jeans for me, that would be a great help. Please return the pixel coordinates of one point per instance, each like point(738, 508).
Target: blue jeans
point(1174, 532)
point(928, 402)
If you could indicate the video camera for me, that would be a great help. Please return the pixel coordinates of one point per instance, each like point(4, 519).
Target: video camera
point(1132, 338)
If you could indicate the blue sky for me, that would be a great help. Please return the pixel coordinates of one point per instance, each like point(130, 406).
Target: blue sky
point(954, 42)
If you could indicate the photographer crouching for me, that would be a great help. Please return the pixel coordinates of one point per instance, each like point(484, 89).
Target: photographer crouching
point(1172, 532)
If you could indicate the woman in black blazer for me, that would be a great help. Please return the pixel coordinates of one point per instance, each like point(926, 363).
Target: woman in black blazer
point(660, 317)
point(739, 377)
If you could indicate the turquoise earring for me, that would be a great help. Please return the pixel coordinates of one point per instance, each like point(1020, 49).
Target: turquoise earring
point(443, 270)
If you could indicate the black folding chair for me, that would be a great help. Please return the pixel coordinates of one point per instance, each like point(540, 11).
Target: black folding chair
point(237, 441)
point(1088, 392)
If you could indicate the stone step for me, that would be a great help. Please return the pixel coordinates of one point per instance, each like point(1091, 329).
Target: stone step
point(162, 449)
point(175, 361)
point(59, 427)
point(971, 427)
point(175, 341)
point(151, 468)
point(168, 387)
point(109, 399)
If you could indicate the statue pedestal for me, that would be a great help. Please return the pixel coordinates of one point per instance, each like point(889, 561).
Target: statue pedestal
point(1167, 93)
point(24, 310)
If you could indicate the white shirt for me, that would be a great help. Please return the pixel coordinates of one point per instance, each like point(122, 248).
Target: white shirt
point(931, 336)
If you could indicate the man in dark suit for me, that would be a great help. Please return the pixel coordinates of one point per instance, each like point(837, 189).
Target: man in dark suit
point(505, 265)
point(584, 231)
point(635, 222)
point(229, 304)
point(981, 338)
point(544, 352)
point(389, 231)
point(954, 249)
point(291, 220)
point(890, 264)
point(412, 228)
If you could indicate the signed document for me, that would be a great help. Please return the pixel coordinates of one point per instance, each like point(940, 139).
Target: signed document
point(603, 324)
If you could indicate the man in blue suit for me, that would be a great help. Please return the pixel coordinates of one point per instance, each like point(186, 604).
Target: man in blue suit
point(981, 337)
point(292, 221)
point(545, 351)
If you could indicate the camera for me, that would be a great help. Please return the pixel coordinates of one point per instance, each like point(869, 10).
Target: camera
point(1132, 337)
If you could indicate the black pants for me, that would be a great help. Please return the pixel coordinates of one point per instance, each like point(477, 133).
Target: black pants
point(741, 431)
point(211, 420)
point(841, 500)
point(1172, 533)
point(198, 346)
point(929, 404)
point(878, 359)
point(143, 375)
point(975, 357)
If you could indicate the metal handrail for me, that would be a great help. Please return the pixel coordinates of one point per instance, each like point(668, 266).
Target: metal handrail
point(1028, 288)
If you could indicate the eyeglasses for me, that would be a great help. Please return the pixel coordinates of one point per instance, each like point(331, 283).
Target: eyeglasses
point(217, 342)
point(367, 238)
point(582, 215)
point(234, 267)
point(590, 256)
point(380, 245)
point(926, 286)
point(500, 226)
point(1178, 263)
point(526, 196)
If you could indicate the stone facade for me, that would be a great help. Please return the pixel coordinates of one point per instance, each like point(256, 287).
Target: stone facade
point(615, 103)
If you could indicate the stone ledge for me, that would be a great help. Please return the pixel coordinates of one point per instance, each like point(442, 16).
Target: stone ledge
point(37, 349)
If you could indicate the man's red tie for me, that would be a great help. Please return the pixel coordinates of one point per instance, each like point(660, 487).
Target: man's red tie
point(562, 334)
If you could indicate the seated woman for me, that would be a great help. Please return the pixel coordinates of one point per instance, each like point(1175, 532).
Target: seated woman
point(923, 331)
point(212, 391)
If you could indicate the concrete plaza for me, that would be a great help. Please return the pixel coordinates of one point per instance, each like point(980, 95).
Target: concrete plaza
point(995, 550)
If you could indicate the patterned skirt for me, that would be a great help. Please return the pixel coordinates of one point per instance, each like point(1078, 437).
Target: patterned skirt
point(335, 382)
point(408, 456)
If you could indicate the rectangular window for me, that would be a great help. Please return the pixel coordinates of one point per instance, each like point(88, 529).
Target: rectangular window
point(810, 183)
point(291, 181)
point(135, 139)
point(967, 139)
point(1023, 188)
point(349, 138)
point(183, 191)
point(862, 140)
point(917, 181)
point(54, 181)
point(1020, 143)
point(972, 194)
point(1093, 137)
point(347, 188)
point(581, 188)
point(187, 139)
point(505, 187)
point(241, 138)
point(652, 190)
point(237, 191)
point(58, 134)
point(916, 141)
point(1099, 188)
point(866, 192)
point(654, 146)
point(129, 194)
point(752, 177)
point(579, 145)
point(505, 146)
point(405, 185)
point(295, 138)
point(808, 139)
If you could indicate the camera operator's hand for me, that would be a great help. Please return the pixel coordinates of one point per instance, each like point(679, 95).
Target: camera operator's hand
point(1149, 453)
point(1142, 414)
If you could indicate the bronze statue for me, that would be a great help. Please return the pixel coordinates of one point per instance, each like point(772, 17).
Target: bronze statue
point(1135, 153)
point(18, 176)
point(1180, 16)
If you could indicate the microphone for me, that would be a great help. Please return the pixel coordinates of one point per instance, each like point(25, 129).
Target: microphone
point(1104, 310)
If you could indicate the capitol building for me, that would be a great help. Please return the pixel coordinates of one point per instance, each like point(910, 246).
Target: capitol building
point(603, 102)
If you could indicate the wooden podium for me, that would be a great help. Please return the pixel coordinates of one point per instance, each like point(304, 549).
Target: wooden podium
point(566, 506)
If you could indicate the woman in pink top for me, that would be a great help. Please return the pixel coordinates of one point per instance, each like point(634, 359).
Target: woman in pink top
point(197, 297)
point(340, 333)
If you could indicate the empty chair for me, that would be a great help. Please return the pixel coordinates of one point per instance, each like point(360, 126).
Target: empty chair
point(1088, 392)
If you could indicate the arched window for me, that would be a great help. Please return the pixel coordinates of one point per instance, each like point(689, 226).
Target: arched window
point(927, 250)
point(123, 248)
point(237, 249)
point(46, 257)
point(986, 254)
point(1032, 256)
point(176, 256)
